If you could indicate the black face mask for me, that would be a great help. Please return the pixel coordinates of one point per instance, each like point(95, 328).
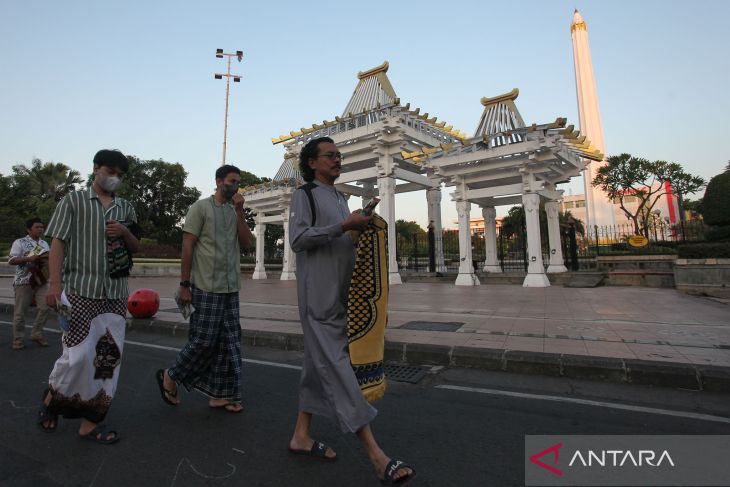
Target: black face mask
point(229, 190)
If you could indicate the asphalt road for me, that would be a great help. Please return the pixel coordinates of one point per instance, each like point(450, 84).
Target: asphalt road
point(457, 427)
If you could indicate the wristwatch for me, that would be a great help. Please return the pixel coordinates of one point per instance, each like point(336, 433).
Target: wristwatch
point(185, 283)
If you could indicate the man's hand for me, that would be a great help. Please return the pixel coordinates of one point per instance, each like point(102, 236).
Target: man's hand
point(114, 229)
point(53, 297)
point(32, 259)
point(238, 201)
point(356, 221)
point(184, 295)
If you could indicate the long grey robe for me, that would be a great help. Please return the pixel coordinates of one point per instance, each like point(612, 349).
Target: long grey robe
point(325, 261)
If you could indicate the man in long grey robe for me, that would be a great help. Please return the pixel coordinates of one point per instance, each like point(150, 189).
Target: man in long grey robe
point(325, 261)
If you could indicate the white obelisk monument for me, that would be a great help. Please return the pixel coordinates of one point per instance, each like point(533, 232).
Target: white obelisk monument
point(599, 209)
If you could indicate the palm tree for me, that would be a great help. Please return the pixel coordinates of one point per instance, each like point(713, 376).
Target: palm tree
point(47, 181)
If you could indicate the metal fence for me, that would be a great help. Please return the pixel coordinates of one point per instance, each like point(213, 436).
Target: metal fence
point(579, 250)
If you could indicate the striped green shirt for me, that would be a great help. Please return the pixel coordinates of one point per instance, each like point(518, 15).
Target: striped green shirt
point(80, 220)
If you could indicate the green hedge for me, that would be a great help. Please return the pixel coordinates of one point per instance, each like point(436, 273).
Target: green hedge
point(714, 250)
point(715, 234)
point(716, 202)
point(150, 249)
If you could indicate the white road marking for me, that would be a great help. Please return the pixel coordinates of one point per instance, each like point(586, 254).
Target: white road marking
point(493, 392)
point(588, 402)
point(177, 349)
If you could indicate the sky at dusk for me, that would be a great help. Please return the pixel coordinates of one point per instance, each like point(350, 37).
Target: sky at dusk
point(78, 76)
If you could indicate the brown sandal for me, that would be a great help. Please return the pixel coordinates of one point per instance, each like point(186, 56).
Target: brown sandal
point(40, 341)
point(18, 344)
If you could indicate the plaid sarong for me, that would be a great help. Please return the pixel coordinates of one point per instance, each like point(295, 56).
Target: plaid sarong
point(211, 360)
point(367, 309)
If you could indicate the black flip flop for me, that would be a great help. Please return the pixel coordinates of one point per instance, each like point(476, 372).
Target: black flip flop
point(318, 451)
point(100, 435)
point(390, 470)
point(164, 392)
point(45, 415)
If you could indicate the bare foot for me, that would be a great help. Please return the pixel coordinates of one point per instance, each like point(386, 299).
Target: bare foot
point(171, 386)
point(231, 407)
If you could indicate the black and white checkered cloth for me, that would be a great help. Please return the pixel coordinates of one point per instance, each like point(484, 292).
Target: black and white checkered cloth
point(211, 360)
point(83, 310)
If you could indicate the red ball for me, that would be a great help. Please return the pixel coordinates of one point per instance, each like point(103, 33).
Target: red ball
point(143, 303)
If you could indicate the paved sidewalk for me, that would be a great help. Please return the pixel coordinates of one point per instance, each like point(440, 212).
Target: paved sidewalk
point(629, 334)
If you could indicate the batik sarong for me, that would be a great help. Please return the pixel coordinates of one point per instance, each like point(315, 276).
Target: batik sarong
point(84, 379)
point(211, 361)
point(367, 309)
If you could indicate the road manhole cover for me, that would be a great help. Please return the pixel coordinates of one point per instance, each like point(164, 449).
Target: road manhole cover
point(404, 373)
point(432, 325)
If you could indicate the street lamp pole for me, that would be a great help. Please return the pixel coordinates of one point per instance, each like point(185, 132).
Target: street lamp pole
point(236, 79)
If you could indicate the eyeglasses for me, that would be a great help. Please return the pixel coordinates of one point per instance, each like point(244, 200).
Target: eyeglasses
point(333, 155)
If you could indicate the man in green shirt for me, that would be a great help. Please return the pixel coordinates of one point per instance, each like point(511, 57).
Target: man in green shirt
point(215, 230)
point(93, 234)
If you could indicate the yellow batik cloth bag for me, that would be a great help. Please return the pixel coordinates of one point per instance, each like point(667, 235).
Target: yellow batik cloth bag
point(367, 308)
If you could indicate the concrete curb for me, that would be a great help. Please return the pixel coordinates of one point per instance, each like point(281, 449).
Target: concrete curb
point(605, 369)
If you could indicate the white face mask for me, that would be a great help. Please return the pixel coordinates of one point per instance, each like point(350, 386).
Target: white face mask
point(110, 183)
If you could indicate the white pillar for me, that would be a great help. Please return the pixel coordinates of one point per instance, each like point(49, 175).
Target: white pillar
point(386, 190)
point(368, 192)
point(491, 263)
point(556, 249)
point(259, 271)
point(536, 276)
point(433, 197)
point(466, 275)
point(288, 264)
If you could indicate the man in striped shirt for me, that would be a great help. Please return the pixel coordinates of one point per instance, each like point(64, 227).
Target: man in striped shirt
point(93, 236)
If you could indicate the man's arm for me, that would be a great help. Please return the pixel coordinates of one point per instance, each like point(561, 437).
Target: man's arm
point(55, 264)
point(245, 238)
point(114, 229)
point(17, 257)
point(186, 265)
point(131, 241)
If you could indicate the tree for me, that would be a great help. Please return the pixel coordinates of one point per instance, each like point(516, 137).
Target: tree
point(156, 189)
point(716, 202)
point(625, 175)
point(407, 228)
point(11, 213)
point(250, 179)
point(515, 224)
point(37, 189)
point(47, 181)
point(406, 243)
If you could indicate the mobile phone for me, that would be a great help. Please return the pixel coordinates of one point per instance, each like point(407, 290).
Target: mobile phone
point(368, 209)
